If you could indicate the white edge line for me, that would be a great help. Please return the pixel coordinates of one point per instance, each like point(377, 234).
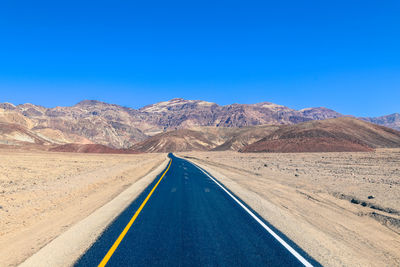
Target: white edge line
point(280, 240)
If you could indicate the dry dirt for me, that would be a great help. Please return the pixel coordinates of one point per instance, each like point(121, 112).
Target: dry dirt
point(43, 193)
point(341, 208)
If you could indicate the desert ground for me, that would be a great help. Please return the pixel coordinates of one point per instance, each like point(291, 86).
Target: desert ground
point(43, 193)
point(341, 208)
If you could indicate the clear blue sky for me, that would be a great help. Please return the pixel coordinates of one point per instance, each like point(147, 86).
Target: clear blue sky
point(344, 55)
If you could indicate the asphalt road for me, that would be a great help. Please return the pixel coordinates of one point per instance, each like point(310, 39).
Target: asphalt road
point(187, 218)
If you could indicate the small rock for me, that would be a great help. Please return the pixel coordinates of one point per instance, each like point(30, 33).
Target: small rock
point(371, 197)
point(265, 165)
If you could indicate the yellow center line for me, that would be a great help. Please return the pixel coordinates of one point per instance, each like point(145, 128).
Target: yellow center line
point(126, 229)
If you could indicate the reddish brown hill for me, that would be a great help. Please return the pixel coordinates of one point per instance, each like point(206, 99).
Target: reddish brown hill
point(90, 148)
point(242, 137)
point(334, 135)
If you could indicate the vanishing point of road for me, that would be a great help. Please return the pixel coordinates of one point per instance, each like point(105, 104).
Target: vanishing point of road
point(185, 217)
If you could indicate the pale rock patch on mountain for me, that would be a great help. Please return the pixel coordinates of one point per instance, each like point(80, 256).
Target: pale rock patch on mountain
point(175, 105)
point(273, 107)
point(18, 135)
point(59, 137)
point(11, 116)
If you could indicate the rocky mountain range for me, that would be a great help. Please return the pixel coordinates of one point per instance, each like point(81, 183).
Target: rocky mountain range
point(330, 135)
point(95, 122)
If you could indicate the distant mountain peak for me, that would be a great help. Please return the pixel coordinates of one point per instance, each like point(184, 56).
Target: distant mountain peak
point(177, 99)
point(28, 105)
point(315, 108)
point(90, 103)
point(165, 106)
point(391, 120)
point(272, 106)
point(7, 106)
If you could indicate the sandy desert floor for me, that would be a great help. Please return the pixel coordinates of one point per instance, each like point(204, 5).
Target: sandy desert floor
point(43, 193)
point(342, 208)
point(322, 201)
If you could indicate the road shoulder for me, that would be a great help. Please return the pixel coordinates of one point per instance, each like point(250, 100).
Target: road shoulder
point(69, 246)
point(326, 228)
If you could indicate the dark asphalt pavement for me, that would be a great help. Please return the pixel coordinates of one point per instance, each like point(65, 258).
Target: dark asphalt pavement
point(190, 221)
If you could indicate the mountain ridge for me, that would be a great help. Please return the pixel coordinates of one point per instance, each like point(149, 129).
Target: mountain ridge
point(93, 121)
point(343, 134)
point(391, 120)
